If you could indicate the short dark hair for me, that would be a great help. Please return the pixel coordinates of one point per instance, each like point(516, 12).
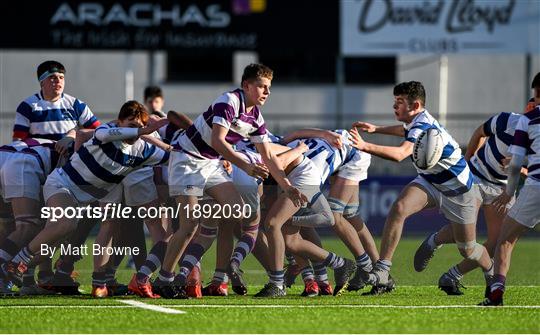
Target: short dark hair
point(133, 109)
point(152, 92)
point(536, 81)
point(50, 66)
point(254, 71)
point(414, 90)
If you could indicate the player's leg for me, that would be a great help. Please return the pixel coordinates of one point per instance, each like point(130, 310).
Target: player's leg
point(341, 195)
point(510, 233)
point(249, 191)
point(198, 246)
point(412, 199)
point(523, 215)
point(319, 270)
point(344, 269)
point(224, 247)
point(53, 232)
point(276, 217)
point(494, 222)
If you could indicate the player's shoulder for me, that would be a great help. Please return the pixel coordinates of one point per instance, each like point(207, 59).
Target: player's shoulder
point(230, 98)
point(32, 99)
point(425, 117)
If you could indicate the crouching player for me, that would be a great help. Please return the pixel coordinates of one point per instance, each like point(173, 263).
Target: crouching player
point(98, 166)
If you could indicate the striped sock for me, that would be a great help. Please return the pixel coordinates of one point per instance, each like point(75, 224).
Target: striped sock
point(98, 279)
point(243, 248)
point(277, 277)
point(364, 262)
point(488, 274)
point(23, 256)
point(192, 256)
point(498, 283)
point(333, 261)
point(166, 276)
point(455, 273)
point(110, 273)
point(153, 261)
point(321, 276)
point(307, 274)
point(384, 264)
point(220, 276)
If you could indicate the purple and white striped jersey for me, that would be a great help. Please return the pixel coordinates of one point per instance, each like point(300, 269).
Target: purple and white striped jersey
point(229, 111)
point(42, 149)
point(527, 142)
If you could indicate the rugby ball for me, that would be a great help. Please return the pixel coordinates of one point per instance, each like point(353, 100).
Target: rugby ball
point(428, 148)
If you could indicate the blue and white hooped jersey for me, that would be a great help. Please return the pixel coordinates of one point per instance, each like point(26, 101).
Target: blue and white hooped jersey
point(527, 143)
point(42, 149)
point(40, 118)
point(98, 166)
point(487, 162)
point(451, 175)
point(324, 156)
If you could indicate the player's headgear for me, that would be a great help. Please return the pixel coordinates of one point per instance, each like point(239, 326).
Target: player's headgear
point(49, 68)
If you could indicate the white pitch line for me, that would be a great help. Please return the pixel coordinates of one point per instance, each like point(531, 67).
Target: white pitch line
point(162, 308)
point(154, 308)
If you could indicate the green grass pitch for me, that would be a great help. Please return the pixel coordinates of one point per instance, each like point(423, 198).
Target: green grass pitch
point(416, 306)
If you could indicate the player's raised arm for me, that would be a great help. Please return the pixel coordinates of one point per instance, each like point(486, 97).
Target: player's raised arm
point(288, 156)
point(392, 153)
point(477, 140)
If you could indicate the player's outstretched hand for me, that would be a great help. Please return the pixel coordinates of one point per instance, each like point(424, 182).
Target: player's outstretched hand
point(365, 126)
point(357, 140)
point(297, 197)
point(257, 170)
point(500, 202)
point(334, 139)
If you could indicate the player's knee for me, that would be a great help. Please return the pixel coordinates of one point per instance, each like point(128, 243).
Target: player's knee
point(28, 224)
point(471, 250)
point(399, 210)
point(291, 243)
